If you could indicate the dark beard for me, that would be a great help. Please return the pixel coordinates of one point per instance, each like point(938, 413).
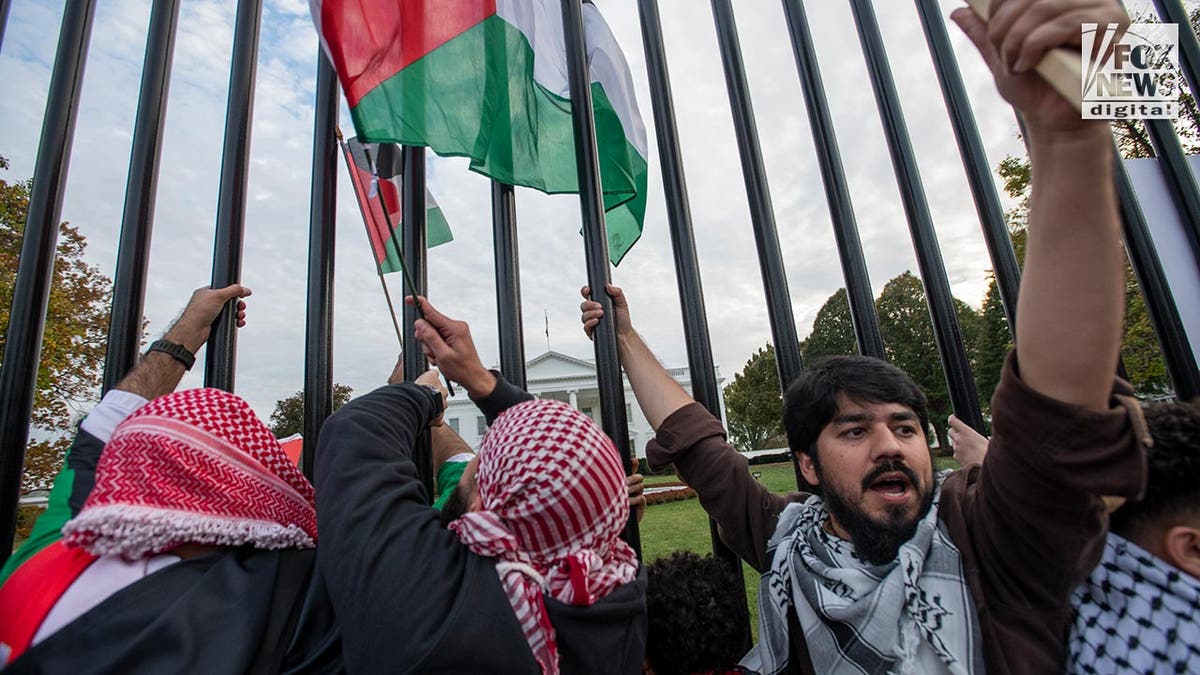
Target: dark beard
point(876, 542)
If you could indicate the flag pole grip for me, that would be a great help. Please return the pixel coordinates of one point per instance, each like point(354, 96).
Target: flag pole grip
point(1061, 68)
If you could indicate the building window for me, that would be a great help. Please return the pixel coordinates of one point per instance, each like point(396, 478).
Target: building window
point(453, 422)
point(586, 411)
point(628, 411)
point(480, 426)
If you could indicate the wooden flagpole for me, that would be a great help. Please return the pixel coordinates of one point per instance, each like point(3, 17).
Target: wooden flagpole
point(1060, 67)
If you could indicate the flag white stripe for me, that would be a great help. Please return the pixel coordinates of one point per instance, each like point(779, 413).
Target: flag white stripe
point(540, 21)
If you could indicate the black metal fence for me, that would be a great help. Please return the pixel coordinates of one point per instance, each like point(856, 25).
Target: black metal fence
point(25, 330)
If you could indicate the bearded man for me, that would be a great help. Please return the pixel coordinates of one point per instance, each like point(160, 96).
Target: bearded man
point(890, 568)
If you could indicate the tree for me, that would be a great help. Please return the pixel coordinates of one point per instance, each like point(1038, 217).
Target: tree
point(75, 337)
point(753, 403)
point(833, 330)
point(1140, 353)
point(288, 417)
point(909, 343)
point(992, 342)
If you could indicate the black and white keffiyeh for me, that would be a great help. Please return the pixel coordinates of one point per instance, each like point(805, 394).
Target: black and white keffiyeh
point(912, 615)
point(1135, 614)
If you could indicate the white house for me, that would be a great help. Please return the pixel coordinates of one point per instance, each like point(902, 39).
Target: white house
point(570, 380)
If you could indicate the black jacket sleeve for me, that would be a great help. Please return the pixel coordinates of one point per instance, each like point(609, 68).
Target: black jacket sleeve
point(504, 396)
point(82, 459)
point(408, 595)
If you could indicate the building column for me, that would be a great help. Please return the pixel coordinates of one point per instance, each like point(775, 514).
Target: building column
point(573, 394)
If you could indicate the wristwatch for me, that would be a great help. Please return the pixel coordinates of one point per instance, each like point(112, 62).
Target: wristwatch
point(436, 395)
point(176, 351)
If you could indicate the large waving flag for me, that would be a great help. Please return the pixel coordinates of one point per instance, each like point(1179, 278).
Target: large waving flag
point(487, 79)
point(377, 175)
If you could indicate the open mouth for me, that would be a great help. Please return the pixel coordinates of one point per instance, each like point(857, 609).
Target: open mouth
point(892, 486)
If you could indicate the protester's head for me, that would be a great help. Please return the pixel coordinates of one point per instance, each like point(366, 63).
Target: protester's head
point(194, 467)
point(551, 506)
point(692, 615)
point(858, 426)
point(1166, 521)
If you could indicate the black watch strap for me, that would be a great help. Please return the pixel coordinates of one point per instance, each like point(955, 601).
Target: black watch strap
point(176, 351)
point(436, 395)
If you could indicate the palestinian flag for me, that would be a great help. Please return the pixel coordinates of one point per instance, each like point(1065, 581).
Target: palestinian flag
point(487, 79)
point(376, 172)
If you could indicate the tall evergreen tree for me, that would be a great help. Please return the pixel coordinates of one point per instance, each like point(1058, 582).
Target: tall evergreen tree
point(992, 343)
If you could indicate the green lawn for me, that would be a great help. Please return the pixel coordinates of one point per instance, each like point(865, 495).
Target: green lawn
point(684, 525)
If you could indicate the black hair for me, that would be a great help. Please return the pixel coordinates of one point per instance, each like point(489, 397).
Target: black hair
point(693, 615)
point(1173, 478)
point(455, 506)
point(811, 401)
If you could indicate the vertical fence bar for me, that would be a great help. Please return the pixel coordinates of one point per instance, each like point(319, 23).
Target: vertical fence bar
point(508, 283)
point(141, 189)
point(705, 388)
point(35, 269)
point(953, 354)
point(837, 189)
point(975, 161)
point(412, 205)
point(231, 202)
point(5, 5)
point(1181, 183)
point(762, 215)
point(1173, 11)
point(595, 243)
point(1164, 314)
point(322, 222)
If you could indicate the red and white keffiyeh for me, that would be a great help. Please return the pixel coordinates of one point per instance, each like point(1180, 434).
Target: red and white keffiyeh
point(554, 505)
point(195, 466)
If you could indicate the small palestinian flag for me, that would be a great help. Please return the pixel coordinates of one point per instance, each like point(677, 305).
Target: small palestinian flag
point(376, 172)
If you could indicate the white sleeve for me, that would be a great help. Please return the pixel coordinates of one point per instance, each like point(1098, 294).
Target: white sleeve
point(111, 411)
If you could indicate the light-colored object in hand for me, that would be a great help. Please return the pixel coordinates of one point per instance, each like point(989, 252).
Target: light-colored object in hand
point(1061, 67)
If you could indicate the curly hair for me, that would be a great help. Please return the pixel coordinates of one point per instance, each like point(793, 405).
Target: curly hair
point(693, 617)
point(1173, 479)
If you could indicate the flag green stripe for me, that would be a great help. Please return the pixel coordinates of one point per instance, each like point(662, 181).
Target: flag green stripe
point(392, 263)
point(445, 101)
point(437, 230)
point(46, 529)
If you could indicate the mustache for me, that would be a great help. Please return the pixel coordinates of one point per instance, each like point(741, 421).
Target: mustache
point(890, 466)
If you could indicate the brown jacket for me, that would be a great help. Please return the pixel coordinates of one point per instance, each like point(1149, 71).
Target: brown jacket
point(1027, 520)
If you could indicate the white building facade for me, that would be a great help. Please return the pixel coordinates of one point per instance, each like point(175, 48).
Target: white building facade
point(573, 381)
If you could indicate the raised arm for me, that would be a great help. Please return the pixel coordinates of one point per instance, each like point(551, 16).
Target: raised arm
point(154, 375)
point(448, 345)
point(689, 437)
point(657, 393)
point(1072, 290)
point(157, 373)
point(1061, 435)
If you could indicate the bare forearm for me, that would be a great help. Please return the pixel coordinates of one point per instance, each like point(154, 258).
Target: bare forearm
point(1072, 301)
point(657, 393)
point(446, 444)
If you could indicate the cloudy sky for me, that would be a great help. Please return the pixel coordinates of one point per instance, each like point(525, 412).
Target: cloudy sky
point(270, 358)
